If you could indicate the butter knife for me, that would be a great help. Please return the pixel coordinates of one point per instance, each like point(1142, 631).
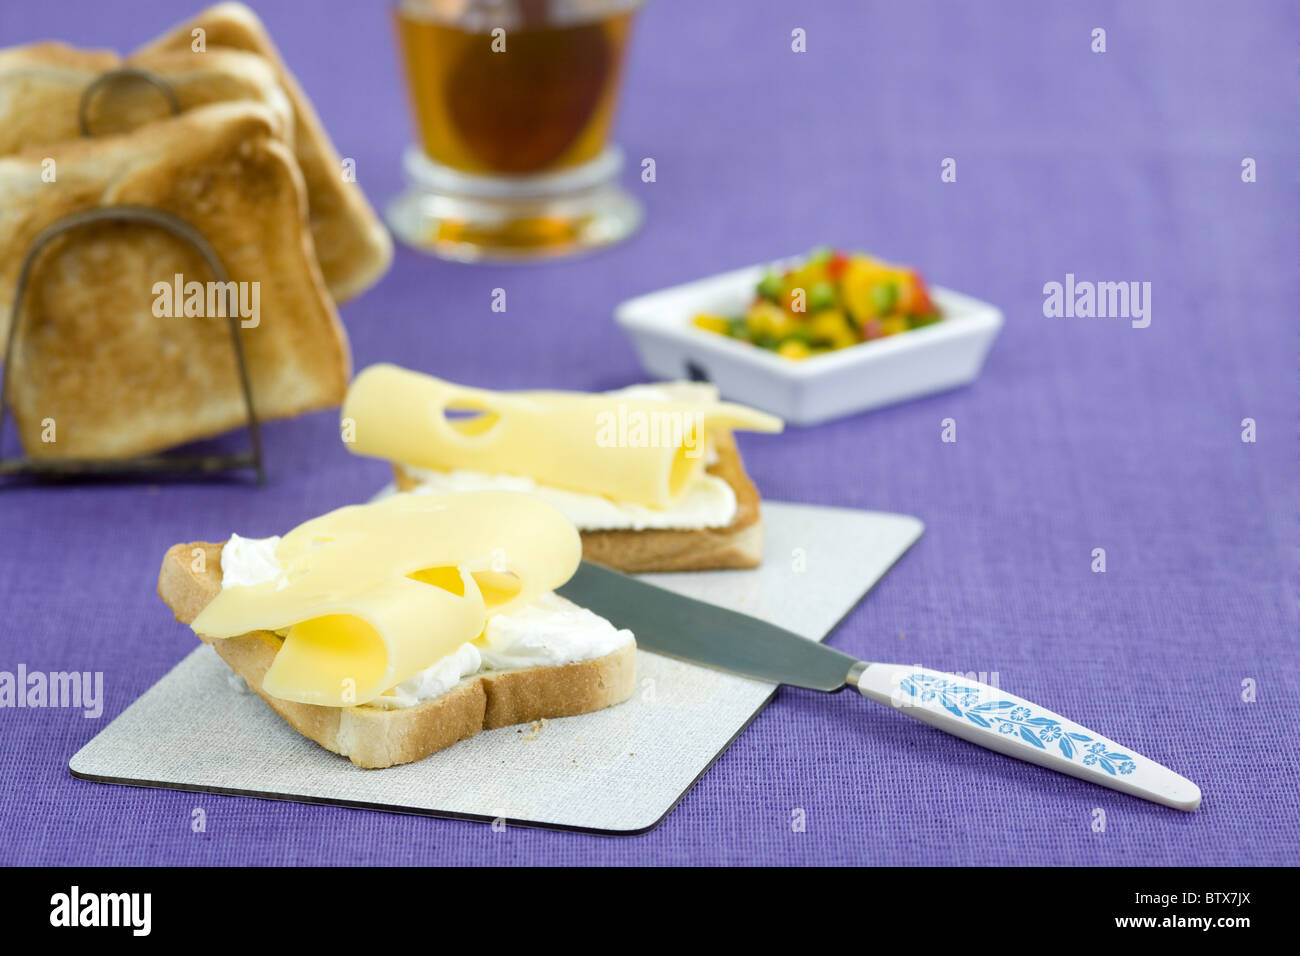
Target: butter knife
point(703, 633)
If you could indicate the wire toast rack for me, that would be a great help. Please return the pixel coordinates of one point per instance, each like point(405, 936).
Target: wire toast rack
point(177, 227)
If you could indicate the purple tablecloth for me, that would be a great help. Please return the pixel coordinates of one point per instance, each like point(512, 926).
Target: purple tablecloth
point(1081, 434)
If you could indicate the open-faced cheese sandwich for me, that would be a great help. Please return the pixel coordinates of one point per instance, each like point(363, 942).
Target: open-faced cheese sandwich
point(650, 475)
point(388, 631)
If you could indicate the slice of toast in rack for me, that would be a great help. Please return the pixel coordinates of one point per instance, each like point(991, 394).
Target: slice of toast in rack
point(354, 247)
point(41, 88)
point(97, 367)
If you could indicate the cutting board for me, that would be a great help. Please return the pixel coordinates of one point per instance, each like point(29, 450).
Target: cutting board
point(620, 770)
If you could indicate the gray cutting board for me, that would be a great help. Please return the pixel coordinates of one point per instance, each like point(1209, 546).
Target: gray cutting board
point(620, 770)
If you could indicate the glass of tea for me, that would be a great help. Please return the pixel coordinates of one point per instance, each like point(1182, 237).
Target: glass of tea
point(513, 103)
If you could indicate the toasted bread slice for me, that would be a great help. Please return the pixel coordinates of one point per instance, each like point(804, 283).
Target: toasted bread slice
point(41, 86)
point(353, 245)
point(373, 737)
point(94, 359)
point(737, 545)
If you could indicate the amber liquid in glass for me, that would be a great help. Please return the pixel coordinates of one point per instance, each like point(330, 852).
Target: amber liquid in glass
point(543, 104)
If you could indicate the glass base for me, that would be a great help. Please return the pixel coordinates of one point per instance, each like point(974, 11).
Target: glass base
point(468, 218)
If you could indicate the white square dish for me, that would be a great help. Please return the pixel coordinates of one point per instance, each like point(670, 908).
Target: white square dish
point(854, 379)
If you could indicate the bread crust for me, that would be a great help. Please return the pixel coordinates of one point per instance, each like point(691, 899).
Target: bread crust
point(737, 545)
point(41, 85)
point(373, 737)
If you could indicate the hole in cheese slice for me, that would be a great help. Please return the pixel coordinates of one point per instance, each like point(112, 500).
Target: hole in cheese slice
point(497, 588)
point(447, 578)
point(470, 420)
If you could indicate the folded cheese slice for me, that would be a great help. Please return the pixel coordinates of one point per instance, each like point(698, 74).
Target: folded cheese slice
point(629, 449)
point(370, 595)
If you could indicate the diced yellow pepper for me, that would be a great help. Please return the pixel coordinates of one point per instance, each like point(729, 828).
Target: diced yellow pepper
point(712, 323)
point(832, 326)
point(768, 318)
point(893, 325)
point(806, 276)
point(861, 274)
point(794, 349)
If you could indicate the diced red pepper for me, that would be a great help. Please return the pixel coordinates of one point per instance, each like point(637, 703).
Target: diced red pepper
point(922, 304)
point(835, 267)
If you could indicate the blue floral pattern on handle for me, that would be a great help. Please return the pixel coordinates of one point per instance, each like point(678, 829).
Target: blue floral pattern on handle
point(1011, 718)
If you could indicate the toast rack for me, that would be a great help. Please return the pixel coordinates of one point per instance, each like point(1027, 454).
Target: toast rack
point(144, 464)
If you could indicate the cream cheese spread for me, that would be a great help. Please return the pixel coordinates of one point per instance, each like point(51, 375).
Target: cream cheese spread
point(709, 503)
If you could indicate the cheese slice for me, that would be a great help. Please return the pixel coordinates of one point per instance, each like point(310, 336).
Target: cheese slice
point(630, 449)
point(371, 595)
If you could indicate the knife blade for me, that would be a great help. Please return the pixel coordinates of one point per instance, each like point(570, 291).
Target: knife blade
point(701, 633)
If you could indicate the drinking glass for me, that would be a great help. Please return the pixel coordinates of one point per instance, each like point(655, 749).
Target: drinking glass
point(513, 104)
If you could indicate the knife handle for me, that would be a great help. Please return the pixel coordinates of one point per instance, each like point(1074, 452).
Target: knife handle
point(1011, 725)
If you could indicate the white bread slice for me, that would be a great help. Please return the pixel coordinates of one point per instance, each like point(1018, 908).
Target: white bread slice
point(41, 85)
point(354, 247)
point(373, 737)
point(116, 379)
point(737, 545)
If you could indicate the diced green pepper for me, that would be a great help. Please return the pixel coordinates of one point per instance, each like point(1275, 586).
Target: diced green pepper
point(770, 286)
point(820, 256)
point(884, 295)
point(821, 296)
